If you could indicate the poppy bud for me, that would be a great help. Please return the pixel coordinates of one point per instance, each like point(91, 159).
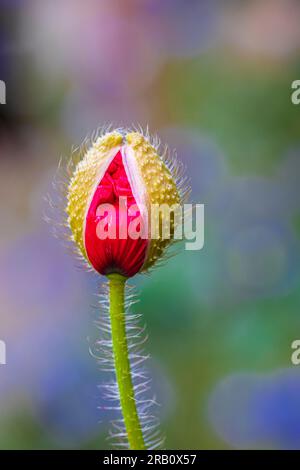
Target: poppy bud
point(123, 172)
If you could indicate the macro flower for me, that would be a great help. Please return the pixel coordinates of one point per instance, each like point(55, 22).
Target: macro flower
point(112, 201)
point(110, 198)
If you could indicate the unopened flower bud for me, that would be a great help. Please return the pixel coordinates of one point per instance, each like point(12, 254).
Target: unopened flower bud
point(110, 196)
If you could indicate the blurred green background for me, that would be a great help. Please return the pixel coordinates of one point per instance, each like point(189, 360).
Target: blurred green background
point(213, 79)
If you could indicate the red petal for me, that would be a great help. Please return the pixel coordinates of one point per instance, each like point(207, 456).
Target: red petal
point(125, 256)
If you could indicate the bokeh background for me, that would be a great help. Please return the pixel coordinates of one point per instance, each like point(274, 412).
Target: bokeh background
point(213, 79)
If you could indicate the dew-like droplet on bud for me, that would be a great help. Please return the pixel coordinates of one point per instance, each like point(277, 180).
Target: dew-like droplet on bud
point(112, 191)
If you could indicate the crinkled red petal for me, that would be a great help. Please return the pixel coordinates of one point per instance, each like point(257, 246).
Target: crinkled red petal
point(125, 256)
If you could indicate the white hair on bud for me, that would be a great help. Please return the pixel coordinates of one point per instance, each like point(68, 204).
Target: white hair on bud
point(102, 350)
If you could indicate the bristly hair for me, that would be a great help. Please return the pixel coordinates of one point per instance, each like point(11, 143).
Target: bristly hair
point(170, 159)
point(56, 214)
point(57, 217)
point(102, 350)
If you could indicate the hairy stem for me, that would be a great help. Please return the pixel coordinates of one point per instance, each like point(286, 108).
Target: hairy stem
point(121, 360)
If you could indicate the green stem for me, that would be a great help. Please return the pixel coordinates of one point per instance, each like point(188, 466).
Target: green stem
point(121, 360)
